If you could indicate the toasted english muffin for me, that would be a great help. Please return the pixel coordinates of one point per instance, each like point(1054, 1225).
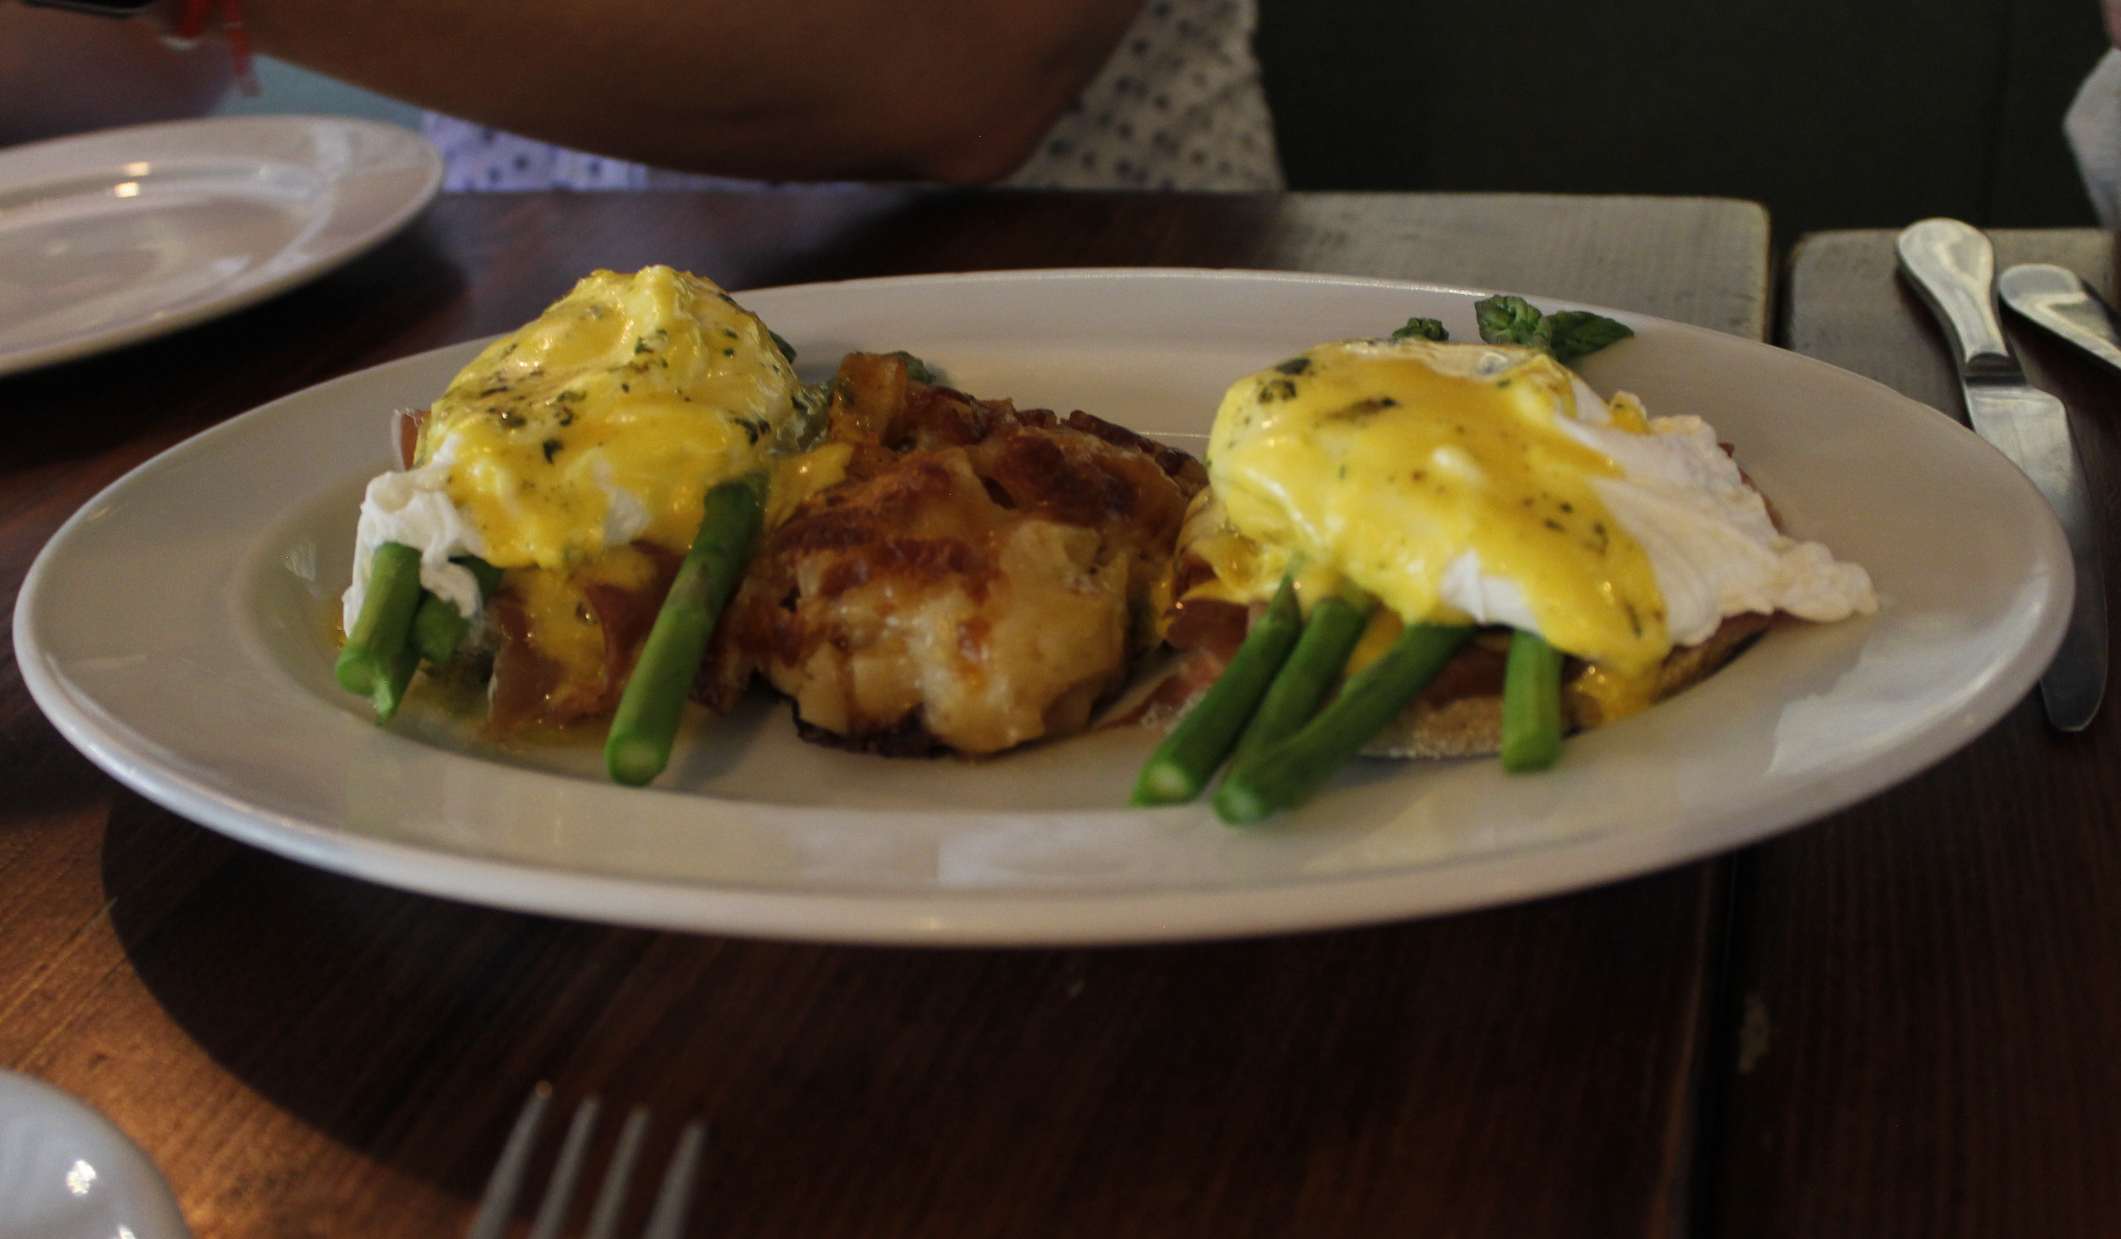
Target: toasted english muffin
point(1459, 714)
point(1467, 723)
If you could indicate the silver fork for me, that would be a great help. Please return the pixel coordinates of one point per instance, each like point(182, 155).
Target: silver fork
point(666, 1222)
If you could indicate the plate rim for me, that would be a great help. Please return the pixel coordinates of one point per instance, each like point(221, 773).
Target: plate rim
point(242, 294)
point(1024, 915)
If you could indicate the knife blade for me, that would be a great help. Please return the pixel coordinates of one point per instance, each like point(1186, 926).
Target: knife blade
point(1953, 266)
point(2054, 298)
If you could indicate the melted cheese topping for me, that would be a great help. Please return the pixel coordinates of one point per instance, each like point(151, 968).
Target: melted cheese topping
point(607, 418)
point(1409, 466)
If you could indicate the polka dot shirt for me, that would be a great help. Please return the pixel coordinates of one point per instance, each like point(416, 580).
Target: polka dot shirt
point(1178, 106)
point(476, 158)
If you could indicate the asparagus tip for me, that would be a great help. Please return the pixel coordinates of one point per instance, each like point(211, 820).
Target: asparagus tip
point(356, 672)
point(1238, 804)
point(1162, 783)
point(634, 760)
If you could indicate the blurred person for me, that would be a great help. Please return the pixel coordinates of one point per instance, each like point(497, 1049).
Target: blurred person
point(2093, 125)
point(1080, 93)
point(62, 73)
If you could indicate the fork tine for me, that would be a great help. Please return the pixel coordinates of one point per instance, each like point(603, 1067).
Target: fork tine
point(673, 1197)
point(501, 1187)
point(552, 1211)
point(668, 1220)
point(604, 1218)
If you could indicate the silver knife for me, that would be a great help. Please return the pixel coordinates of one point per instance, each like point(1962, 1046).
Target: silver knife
point(1954, 267)
point(2053, 297)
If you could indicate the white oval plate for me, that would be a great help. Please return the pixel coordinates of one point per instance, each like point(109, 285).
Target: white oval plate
point(66, 1172)
point(117, 236)
point(179, 631)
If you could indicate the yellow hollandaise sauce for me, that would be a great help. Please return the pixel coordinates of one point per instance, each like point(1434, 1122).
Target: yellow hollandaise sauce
point(560, 623)
point(1387, 462)
point(608, 418)
point(797, 478)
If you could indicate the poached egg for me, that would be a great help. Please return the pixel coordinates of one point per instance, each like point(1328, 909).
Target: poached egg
point(598, 426)
point(1484, 484)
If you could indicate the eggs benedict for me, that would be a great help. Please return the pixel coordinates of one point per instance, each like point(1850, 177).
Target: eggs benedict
point(569, 463)
point(1484, 490)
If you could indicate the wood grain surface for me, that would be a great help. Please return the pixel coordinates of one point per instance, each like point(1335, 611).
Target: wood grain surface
point(1926, 990)
point(310, 1055)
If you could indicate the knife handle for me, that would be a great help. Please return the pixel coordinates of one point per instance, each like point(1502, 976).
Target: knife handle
point(1954, 267)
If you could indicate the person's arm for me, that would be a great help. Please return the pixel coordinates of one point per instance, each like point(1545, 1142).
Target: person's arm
point(950, 90)
point(64, 73)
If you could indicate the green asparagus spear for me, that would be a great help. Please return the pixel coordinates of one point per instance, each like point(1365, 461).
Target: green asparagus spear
point(370, 656)
point(1531, 704)
point(437, 627)
point(1330, 633)
point(392, 679)
point(1286, 773)
point(1182, 764)
point(638, 745)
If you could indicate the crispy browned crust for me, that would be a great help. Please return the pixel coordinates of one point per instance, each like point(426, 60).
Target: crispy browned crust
point(977, 557)
point(909, 737)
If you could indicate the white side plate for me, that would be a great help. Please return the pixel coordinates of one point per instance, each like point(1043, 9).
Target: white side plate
point(66, 1172)
point(117, 236)
point(179, 631)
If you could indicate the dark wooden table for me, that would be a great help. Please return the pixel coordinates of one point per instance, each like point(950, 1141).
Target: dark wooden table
point(1927, 988)
point(1889, 1023)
